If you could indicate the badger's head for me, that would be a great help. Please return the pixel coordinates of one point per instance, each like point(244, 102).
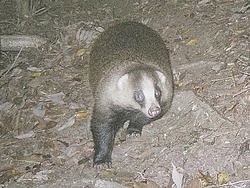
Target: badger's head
point(144, 90)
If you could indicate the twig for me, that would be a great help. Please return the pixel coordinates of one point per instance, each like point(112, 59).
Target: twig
point(245, 73)
point(14, 63)
point(240, 92)
point(230, 184)
point(18, 117)
point(226, 78)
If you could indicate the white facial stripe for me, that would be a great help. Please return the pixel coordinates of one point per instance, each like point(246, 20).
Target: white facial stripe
point(148, 89)
point(122, 93)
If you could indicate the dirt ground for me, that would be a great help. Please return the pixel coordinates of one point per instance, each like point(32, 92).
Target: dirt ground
point(45, 100)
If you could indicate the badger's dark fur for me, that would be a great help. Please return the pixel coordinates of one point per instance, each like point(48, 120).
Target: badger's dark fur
point(131, 79)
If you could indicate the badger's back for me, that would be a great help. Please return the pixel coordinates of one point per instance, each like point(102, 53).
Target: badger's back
point(124, 46)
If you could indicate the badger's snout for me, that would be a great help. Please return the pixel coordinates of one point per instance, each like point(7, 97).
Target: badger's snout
point(154, 111)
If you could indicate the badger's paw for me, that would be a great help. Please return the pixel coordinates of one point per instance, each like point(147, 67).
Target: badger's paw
point(103, 163)
point(102, 166)
point(133, 132)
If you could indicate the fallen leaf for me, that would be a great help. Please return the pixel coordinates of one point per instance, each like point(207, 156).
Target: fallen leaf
point(82, 114)
point(6, 106)
point(223, 178)
point(23, 135)
point(218, 66)
point(36, 74)
point(51, 124)
point(69, 123)
point(42, 175)
point(39, 110)
point(206, 179)
point(245, 146)
point(192, 42)
point(55, 98)
point(80, 52)
point(34, 69)
point(177, 177)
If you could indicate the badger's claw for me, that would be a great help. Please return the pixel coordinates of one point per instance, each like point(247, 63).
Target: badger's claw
point(100, 166)
point(133, 132)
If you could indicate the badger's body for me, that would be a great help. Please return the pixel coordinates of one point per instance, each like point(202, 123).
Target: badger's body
point(131, 79)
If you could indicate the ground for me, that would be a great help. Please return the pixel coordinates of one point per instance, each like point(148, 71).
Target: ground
point(45, 100)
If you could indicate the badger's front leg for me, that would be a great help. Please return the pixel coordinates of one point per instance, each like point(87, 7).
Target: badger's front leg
point(134, 128)
point(136, 124)
point(104, 128)
point(103, 135)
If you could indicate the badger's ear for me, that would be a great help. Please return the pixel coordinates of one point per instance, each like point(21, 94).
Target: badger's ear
point(123, 82)
point(161, 76)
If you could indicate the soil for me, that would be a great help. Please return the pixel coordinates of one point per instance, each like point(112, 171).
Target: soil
point(45, 99)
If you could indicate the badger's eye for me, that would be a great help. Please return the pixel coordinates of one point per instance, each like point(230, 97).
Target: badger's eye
point(157, 92)
point(139, 96)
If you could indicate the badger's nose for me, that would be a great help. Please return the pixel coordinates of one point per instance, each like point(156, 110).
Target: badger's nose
point(154, 111)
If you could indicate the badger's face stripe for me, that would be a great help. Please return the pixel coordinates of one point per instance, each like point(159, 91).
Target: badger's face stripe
point(151, 96)
point(141, 90)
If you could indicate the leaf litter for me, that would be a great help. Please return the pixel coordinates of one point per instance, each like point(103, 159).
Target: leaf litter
point(46, 112)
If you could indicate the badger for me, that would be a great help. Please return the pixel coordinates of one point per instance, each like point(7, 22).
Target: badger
point(131, 80)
